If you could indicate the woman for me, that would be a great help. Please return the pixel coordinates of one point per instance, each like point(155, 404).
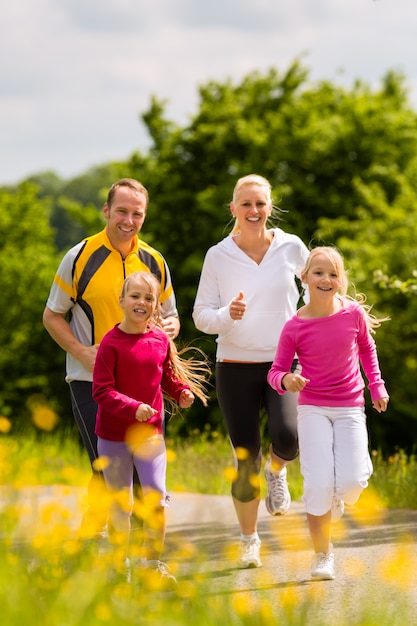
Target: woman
point(247, 292)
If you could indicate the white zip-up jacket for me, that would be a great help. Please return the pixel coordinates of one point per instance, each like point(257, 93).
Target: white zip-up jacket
point(270, 291)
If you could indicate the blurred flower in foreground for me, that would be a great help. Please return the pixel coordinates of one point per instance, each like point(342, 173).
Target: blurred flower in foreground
point(399, 567)
point(230, 474)
point(101, 463)
point(242, 454)
point(44, 418)
point(369, 509)
point(171, 456)
point(242, 605)
point(5, 424)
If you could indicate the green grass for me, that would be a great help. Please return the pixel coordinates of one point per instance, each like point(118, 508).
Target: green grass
point(56, 579)
point(201, 464)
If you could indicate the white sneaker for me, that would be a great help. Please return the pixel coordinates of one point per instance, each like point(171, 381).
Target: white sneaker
point(249, 553)
point(322, 566)
point(338, 508)
point(278, 498)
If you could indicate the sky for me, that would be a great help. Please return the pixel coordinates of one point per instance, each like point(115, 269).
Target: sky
point(76, 75)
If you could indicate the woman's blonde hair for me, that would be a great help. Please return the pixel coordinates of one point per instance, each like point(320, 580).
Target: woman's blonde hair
point(254, 179)
point(193, 372)
point(336, 259)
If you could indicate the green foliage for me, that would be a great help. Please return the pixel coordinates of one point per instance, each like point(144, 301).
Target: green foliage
point(342, 163)
point(377, 242)
point(200, 464)
point(343, 167)
point(28, 262)
point(70, 219)
point(47, 562)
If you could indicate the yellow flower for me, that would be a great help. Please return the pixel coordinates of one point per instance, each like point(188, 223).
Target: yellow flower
point(242, 605)
point(369, 509)
point(44, 418)
point(399, 567)
point(242, 453)
point(171, 456)
point(103, 612)
point(5, 424)
point(101, 463)
point(230, 474)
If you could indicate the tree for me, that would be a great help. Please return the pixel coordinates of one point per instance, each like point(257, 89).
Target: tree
point(30, 368)
point(382, 260)
point(343, 167)
point(325, 150)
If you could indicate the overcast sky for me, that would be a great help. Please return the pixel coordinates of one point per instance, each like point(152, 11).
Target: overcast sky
point(75, 75)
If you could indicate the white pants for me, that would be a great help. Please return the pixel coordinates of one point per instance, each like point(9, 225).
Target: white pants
point(334, 455)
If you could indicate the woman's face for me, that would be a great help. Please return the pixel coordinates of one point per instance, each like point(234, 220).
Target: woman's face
point(251, 208)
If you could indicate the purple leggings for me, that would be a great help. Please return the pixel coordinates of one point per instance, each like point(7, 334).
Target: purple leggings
point(150, 461)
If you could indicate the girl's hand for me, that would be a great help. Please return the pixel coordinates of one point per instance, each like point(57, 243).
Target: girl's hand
point(186, 399)
point(144, 412)
point(381, 405)
point(294, 382)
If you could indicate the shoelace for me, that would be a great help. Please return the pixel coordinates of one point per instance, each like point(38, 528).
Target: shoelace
point(277, 484)
point(249, 547)
point(323, 560)
point(163, 569)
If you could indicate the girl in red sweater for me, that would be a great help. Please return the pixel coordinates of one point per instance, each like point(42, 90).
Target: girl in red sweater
point(136, 362)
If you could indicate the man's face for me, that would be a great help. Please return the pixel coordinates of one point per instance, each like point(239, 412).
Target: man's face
point(125, 215)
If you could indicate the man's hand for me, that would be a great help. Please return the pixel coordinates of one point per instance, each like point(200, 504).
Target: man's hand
point(171, 326)
point(87, 356)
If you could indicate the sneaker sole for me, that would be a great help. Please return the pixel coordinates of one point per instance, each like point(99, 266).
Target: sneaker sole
point(252, 565)
point(323, 577)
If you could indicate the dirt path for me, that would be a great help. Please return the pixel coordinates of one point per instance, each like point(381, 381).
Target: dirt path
point(375, 559)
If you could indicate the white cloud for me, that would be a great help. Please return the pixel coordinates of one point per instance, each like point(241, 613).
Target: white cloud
point(76, 74)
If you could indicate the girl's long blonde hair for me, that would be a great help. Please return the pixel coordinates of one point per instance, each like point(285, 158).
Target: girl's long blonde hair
point(336, 259)
point(194, 372)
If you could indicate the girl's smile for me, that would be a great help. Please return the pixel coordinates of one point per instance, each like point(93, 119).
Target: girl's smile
point(139, 304)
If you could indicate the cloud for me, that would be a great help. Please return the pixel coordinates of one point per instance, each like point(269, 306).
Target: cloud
point(76, 74)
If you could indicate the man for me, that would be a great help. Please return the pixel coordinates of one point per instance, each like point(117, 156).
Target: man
point(83, 305)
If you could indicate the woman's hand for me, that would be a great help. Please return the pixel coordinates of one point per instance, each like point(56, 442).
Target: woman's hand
point(237, 307)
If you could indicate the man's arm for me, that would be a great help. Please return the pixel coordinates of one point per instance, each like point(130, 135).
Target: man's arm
point(60, 331)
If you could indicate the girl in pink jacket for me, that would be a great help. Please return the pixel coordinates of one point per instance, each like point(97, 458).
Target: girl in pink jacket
point(331, 336)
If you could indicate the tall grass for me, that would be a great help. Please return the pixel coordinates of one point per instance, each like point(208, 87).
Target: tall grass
point(201, 464)
point(55, 578)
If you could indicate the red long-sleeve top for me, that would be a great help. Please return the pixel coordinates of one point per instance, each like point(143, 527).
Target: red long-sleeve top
point(132, 369)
